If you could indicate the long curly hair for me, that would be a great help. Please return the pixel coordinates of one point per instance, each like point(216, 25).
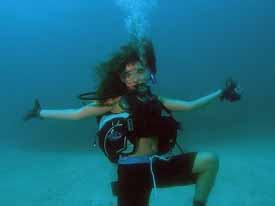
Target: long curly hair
point(108, 72)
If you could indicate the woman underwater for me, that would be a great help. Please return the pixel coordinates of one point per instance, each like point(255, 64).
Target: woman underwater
point(140, 135)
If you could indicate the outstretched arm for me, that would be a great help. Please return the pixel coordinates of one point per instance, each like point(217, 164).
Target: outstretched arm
point(181, 105)
point(92, 109)
point(75, 114)
point(231, 93)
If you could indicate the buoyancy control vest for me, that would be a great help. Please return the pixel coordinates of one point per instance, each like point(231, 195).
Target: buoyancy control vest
point(143, 117)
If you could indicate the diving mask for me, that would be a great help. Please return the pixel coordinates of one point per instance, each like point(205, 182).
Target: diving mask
point(139, 75)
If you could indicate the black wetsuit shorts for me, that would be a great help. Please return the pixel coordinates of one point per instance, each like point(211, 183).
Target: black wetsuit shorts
point(137, 178)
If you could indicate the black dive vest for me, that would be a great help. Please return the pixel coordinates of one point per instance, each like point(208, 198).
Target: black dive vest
point(118, 133)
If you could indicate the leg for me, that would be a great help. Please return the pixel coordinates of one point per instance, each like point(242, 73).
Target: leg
point(206, 166)
point(134, 185)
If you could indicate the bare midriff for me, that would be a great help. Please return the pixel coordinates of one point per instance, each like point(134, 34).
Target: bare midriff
point(145, 145)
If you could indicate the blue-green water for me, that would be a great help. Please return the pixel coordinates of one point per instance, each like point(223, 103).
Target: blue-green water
point(48, 50)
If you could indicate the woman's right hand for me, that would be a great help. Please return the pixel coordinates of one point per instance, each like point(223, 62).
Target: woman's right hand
point(34, 112)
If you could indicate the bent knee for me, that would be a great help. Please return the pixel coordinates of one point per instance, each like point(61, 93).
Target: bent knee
point(205, 161)
point(211, 159)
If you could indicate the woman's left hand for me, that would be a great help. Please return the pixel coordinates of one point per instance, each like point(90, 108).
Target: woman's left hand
point(231, 92)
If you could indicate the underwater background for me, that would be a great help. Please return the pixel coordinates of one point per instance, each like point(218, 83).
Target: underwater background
point(48, 50)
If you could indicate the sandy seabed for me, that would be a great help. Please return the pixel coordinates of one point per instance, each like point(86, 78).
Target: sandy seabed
point(246, 177)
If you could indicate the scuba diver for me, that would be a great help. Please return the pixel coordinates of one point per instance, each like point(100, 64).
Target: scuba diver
point(137, 130)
